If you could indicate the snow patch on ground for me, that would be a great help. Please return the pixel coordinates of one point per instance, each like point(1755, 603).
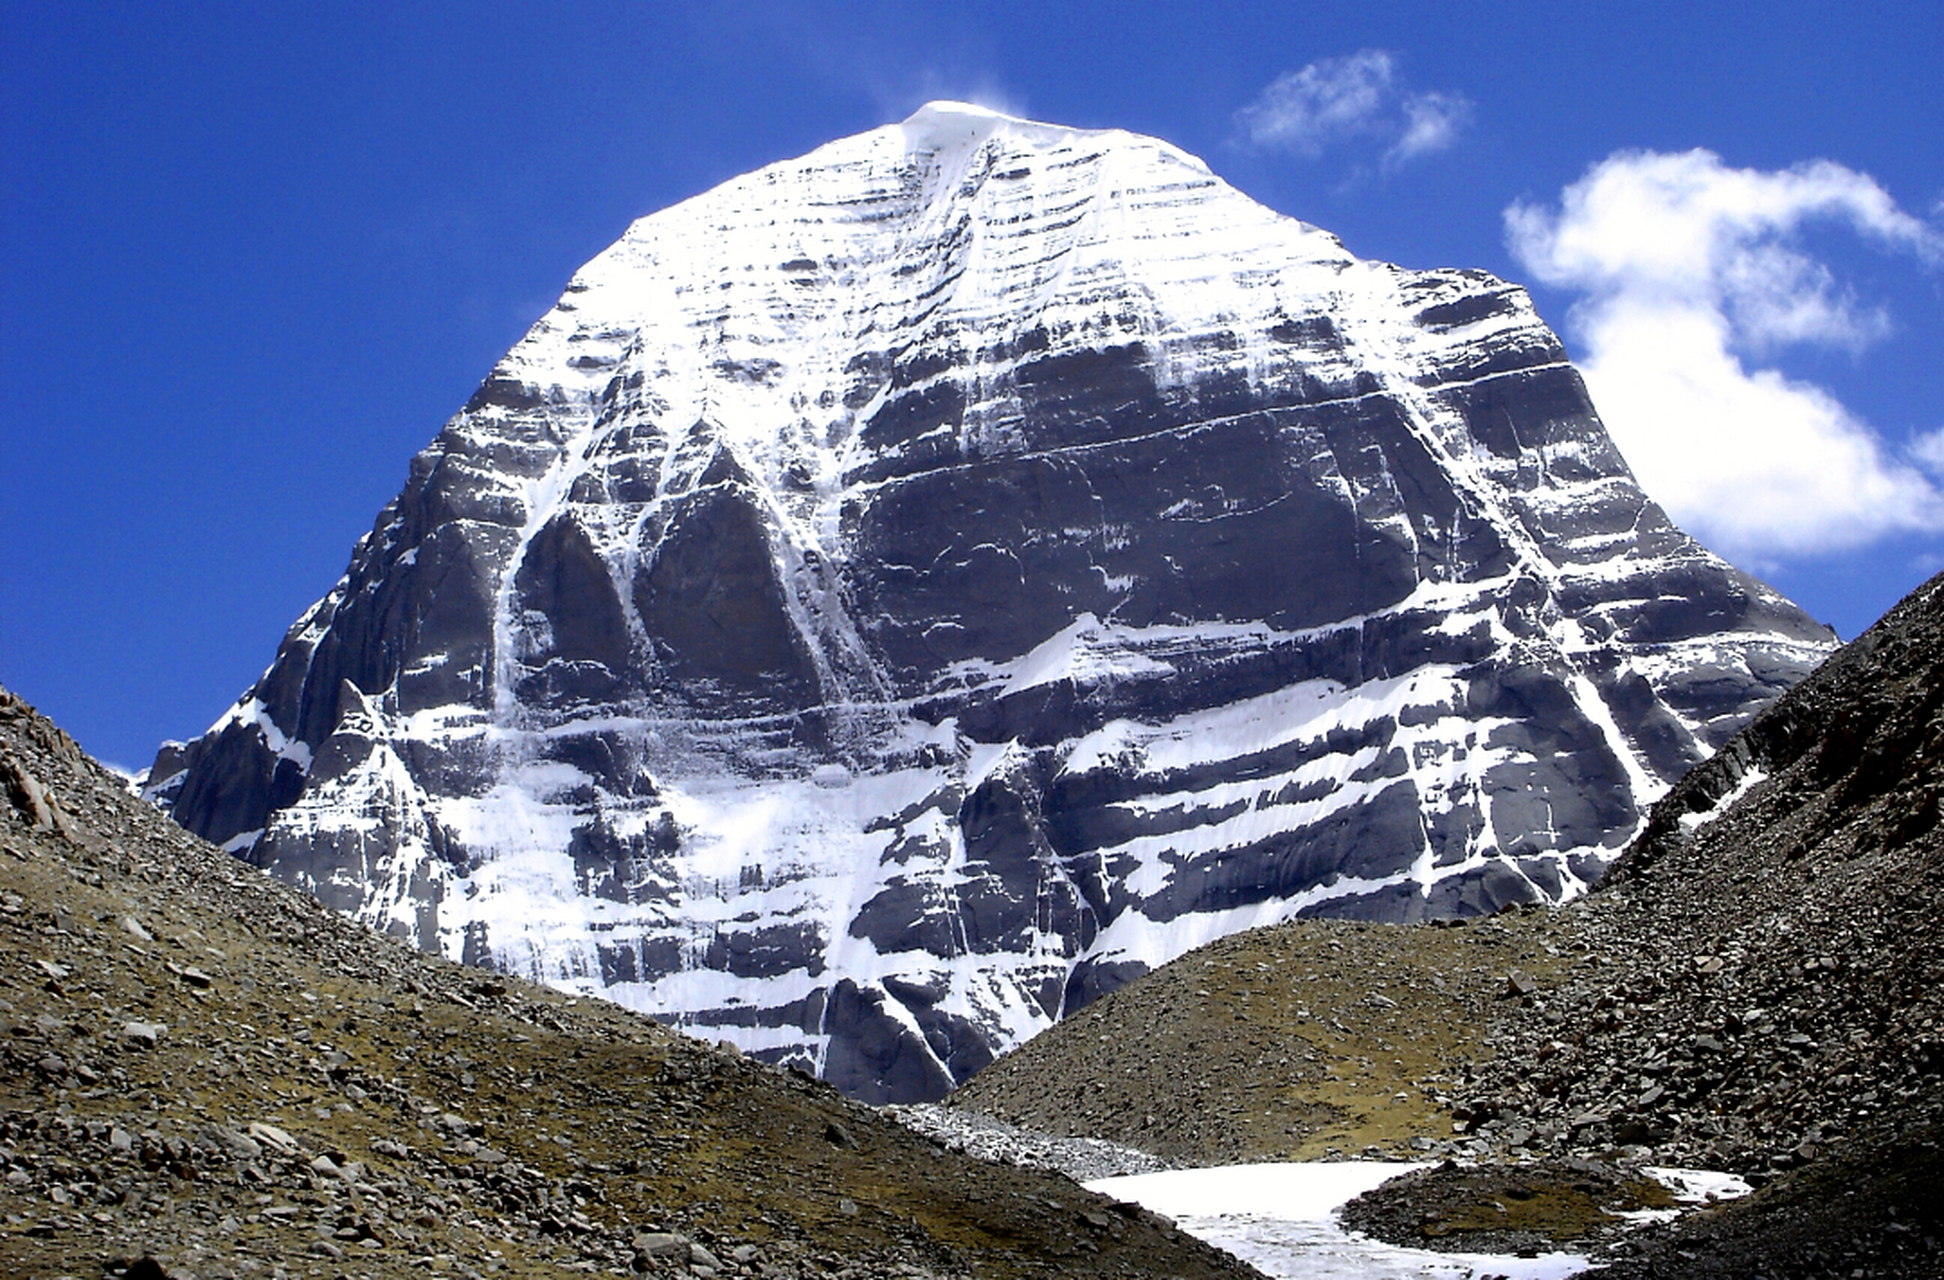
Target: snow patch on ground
point(1691, 1187)
point(1281, 1219)
point(1692, 822)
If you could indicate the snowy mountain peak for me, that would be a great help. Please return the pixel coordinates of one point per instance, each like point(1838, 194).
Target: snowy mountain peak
point(943, 123)
point(945, 126)
point(899, 594)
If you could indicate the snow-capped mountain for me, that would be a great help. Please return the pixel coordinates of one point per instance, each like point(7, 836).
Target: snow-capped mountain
point(910, 589)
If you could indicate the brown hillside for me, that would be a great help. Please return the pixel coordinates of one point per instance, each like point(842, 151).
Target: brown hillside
point(207, 1067)
point(1304, 1041)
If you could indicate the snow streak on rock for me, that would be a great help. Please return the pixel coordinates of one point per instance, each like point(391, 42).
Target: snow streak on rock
point(906, 591)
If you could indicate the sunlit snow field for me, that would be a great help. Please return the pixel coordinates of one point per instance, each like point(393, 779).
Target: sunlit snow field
point(1280, 1219)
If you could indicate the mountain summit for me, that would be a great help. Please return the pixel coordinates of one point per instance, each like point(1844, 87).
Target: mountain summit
point(908, 590)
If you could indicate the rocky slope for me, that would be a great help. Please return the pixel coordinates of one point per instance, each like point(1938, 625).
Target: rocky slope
point(206, 1073)
point(1763, 983)
point(1764, 971)
point(1757, 987)
point(905, 592)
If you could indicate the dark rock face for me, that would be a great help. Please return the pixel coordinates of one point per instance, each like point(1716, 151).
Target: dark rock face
point(905, 593)
point(711, 602)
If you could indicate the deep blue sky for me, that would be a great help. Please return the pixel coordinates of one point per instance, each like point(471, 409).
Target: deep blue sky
point(252, 256)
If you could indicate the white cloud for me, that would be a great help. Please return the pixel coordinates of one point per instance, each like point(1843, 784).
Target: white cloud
point(1336, 100)
point(1928, 449)
point(1690, 270)
point(1432, 122)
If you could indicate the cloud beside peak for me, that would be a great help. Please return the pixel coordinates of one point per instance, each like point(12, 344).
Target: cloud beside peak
point(1691, 277)
point(1361, 97)
point(1433, 122)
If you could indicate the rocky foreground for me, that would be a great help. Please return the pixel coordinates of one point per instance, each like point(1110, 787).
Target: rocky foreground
point(1758, 988)
point(206, 1074)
